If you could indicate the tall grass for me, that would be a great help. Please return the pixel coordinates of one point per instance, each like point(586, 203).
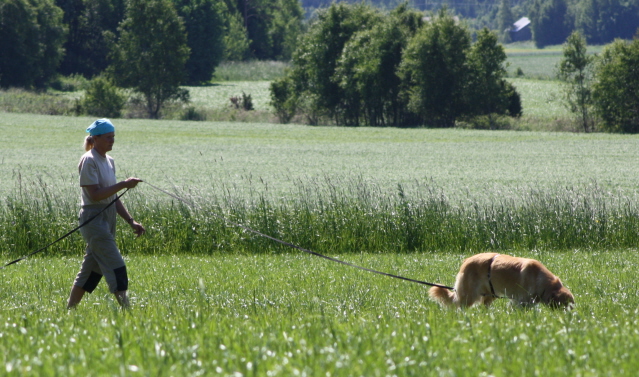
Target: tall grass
point(23, 101)
point(292, 314)
point(344, 216)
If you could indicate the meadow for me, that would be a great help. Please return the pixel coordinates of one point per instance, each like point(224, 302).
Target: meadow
point(293, 315)
point(543, 108)
point(453, 190)
point(211, 299)
point(537, 64)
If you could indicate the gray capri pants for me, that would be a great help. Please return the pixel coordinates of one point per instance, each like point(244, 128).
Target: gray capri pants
point(102, 256)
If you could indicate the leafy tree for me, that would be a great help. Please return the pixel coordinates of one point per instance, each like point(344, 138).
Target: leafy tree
point(18, 39)
point(203, 20)
point(575, 70)
point(514, 107)
point(616, 88)
point(285, 27)
point(368, 71)
point(585, 14)
point(505, 20)
point(356, 72)
point(435, 63)
point(151, 53)
point(236, 40)
point(488, 92)
point(52, 36)
point(316, 61)
point(284, 99)
point(549, 22)
point(254, 15)
point(272, 26)
point(616, 19)
point(358, 66)
point(31, 39)
point(92, 24)
point(601, 21)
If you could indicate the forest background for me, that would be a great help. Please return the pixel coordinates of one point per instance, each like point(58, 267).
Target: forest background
point(73, 36)
point(154, 49)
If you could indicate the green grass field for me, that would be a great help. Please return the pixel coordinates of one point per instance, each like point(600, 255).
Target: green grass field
point(291, 314)
point(541, 99)
point(210, 299)
point(199, 155)
point(534, 190)
point(217, 96)
point(249, 71)
point(537, 63)
point(283, 315)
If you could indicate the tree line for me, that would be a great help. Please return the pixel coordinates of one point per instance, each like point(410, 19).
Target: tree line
point(356, 65)
point(42, 38)
point(359, 66)
point(599, 21)
point(552, 21)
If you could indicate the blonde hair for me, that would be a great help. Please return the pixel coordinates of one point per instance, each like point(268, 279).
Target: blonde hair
point(89, 142)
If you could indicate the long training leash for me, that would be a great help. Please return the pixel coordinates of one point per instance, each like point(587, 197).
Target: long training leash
point(301, 248)
point(117, 197)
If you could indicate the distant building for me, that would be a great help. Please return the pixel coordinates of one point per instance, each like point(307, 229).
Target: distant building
point(520, 31)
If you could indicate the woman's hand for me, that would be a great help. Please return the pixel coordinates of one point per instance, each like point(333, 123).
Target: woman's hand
point(138, 229)
point(131, 182)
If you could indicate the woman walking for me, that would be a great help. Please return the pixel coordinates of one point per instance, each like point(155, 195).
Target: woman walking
point(99, 188)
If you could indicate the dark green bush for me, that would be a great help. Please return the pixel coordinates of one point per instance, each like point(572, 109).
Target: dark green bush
point(283, 99)
point(103, 99)
point(192, 113)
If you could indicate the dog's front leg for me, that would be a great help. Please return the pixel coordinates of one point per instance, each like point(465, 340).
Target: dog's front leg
point(487, 299)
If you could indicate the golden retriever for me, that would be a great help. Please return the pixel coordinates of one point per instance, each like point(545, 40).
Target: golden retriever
point(485, 277)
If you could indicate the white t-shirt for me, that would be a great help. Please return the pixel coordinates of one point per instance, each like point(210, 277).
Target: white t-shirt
point(96, 170)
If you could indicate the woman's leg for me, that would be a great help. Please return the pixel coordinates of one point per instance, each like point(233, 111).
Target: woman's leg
point(75, 297)
point(123, 300)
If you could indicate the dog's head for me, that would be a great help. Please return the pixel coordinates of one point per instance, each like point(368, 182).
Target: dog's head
point(561, 298)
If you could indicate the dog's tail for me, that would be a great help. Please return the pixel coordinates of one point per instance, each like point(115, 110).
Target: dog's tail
point(442, 295)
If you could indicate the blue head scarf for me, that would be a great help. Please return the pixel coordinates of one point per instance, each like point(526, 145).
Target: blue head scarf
point(100, 126)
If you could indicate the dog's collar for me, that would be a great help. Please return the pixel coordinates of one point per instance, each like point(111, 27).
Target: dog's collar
point(490, 282)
